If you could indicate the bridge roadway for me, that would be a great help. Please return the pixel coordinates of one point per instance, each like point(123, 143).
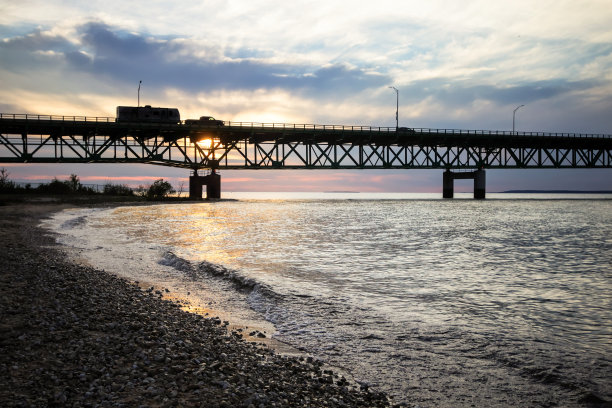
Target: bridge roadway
point(239, 145)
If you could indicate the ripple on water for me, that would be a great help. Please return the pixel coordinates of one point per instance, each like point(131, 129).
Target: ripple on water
point(502, 303)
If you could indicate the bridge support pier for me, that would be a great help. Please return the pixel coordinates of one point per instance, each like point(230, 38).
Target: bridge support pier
point(448, 185)
point(480, 184)
point(479, 177)
point(211, 181)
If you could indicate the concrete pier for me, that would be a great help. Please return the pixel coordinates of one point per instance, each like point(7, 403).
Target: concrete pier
point(448, 184)
point(480, 180)
point(212, 182)
point(479, 177)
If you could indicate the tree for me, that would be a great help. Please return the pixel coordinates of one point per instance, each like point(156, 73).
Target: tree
point(181, 188)
point(4, 175)
point(159, 190)
point(74, 183)
point(6, 185)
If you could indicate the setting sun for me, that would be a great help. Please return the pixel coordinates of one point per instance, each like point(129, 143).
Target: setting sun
point(205, 143)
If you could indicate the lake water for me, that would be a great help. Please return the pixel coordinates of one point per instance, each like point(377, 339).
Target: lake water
point(450, 303)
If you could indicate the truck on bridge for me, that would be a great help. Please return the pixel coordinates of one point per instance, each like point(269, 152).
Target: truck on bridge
point(147, 114)
point(204, 121)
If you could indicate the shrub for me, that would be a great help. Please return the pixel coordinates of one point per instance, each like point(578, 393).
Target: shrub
point(55, 187)
point(117, 190)
point(159, 190)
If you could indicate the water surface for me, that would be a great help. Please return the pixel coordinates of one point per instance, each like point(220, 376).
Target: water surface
point(503, 302)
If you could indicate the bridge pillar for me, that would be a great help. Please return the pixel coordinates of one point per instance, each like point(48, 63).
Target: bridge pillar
point(195, 187)
point(479, 177)
point(448, 184)
point(211, 181)
point(213, 185)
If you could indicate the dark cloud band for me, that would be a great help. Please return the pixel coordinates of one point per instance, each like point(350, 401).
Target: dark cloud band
point(122, 56)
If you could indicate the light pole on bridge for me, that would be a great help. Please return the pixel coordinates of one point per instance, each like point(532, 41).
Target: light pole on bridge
point(514, 116)
point(139, 82)
point(396, 106)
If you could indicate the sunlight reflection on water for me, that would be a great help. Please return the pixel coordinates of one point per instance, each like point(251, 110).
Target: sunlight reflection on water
point(474, 302)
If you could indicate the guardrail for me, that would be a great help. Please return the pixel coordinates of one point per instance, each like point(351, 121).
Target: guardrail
point(29, 116)
point(463, 132)
point(292, 126)
point(307, 126)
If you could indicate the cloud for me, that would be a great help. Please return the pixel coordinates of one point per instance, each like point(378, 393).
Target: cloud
point(457, 77)
point(122, 56)
point(37, 40)
point(457, 65)
point(461, 93)
point(24, 54)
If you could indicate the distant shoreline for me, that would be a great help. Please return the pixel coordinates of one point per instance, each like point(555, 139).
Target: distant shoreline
point(556, 192)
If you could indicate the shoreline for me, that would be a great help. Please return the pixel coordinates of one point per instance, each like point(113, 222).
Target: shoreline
point(74, 335)
point(252, 331)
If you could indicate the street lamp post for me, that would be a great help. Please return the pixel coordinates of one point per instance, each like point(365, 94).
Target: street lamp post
point(396, 106)
point(139, 82)
point(514, 116)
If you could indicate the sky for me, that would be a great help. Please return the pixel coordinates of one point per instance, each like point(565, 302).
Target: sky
point(457, 64)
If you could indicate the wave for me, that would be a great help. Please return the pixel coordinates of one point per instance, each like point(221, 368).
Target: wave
point(207, 269)
point(287, 312)
point(180, 264)
point(240, 281)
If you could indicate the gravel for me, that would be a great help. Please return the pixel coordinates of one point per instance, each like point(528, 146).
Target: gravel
point(76, 336)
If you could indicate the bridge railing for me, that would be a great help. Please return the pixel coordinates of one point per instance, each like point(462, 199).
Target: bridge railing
point(315, 127)
point(309, 126)
point(29, 116)
point(467, 132)
point(462, 132)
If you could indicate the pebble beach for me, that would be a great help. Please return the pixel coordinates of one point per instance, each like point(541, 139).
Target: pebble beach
point(71, 335)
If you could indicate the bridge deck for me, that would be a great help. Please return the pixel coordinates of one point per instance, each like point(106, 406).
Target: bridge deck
point(44, 138)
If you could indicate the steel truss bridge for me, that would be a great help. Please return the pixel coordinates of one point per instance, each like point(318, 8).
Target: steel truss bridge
point(238, 145)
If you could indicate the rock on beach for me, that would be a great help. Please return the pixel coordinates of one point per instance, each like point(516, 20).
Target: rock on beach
point(76, 336)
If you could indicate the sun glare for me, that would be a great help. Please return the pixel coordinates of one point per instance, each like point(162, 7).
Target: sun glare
point(205, 143)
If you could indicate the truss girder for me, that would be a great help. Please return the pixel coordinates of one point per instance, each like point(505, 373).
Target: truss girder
point(280, 152)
